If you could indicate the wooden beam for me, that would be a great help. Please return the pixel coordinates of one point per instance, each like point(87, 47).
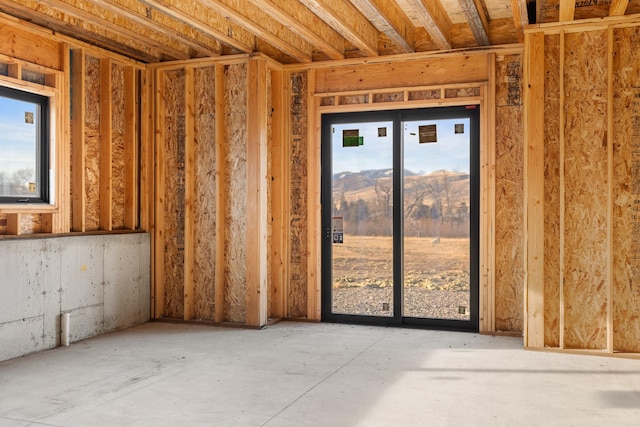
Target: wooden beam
point(221, 193)
point(205, 20)
point(432, 17)
point(39, 13)
point(154, 20)
point(534, 188)
point(264, 27)
point(387, 17)
point(279, 218)
point(189, 193)
point(301, 20)
point(77, 139)
point(343, 17)
point(256, 272)
point(477, 21)
point(130, 148)
point(567, 10)
point(106, 147)
point(520, 17)
point(618, 7)
point(159, 205)
point(89, 12)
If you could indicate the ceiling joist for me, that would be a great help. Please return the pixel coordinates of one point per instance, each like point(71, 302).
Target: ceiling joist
point(388, 19)
point(477, 21)
point(305, 23)
point(249, 17)
point(193, 14)
point(618, 7)
point(567, 10)
point(431, 17)
point(151, 18)
point(520, 17)
point(343, 17)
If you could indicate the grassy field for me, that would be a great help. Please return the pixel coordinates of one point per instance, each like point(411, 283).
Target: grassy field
point(368, 261)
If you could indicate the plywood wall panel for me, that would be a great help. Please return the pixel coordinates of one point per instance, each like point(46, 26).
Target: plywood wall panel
point(626, 184)
point(585, 190)
point(297, 290)
point(552, 192)
point(509, 246)
point(174, 188)
point(205, 194)
point(235, 97)
point(117, 145)
point(92, 143)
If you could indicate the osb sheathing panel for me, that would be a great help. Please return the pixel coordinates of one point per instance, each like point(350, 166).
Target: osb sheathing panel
point(204, 208)
point(92, 143)
point(297, 293)
point(30, 223)
point(117, 145)
point(552, 191)
point(174, 149)
point(626, 183)
point(509, 254)
point(235, 107)
point(585, 171)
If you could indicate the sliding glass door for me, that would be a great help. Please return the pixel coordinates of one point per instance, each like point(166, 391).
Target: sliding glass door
point(400, 215)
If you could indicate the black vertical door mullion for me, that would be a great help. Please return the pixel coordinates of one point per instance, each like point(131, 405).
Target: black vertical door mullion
point(398, 221)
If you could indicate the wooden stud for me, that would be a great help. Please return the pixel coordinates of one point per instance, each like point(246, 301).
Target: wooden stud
point(610, 189)
point(562, 143)
point(147, 152)
point(159, 209)
point(47, 222)
point(314, 224)
point(131, 93)
point(189, 193)
point(106, 146)
point(489, 112)
point(77, 139)
point(279, 219)
point(14, 221)
point(221, 192)
point(256, 195)
point(15, 71)
point(534, 188)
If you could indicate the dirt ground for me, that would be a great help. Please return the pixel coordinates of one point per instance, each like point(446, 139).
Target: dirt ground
point(436, 277)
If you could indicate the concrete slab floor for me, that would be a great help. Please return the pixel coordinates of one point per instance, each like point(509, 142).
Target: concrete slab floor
point(305, 374)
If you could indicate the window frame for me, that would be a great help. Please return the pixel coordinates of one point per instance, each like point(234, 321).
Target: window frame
point(43, 145)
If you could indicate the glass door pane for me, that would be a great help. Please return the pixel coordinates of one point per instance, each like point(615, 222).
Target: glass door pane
point(437, 223)
point(362, 218)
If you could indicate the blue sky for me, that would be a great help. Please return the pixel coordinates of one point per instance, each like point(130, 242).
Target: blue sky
point(17, 138)
point(450, 152)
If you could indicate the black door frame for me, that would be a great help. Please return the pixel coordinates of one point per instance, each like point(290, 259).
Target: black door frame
point(472, 112)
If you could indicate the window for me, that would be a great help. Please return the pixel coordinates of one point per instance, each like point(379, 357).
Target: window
point(24, 147)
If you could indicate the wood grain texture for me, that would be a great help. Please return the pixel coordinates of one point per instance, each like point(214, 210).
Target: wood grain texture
point(509, 204)
point(235, 98)
point(552, 192)
point(585, 171)
point(174, 192)
point(297, 290)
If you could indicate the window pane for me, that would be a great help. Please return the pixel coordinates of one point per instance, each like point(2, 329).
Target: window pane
point(19, 125)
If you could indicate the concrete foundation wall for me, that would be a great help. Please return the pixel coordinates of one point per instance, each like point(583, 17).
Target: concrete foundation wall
point(102, 281)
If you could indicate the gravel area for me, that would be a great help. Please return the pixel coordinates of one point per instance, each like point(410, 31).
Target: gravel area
point(418, 302)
